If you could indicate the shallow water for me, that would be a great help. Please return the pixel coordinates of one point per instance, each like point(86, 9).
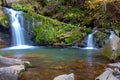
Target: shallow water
point(48, 63)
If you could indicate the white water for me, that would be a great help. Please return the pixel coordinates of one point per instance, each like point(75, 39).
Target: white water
point(90, 41)
point(17, 27)
point(111, 34)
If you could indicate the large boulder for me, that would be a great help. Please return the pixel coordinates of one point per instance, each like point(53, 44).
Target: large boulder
point(107, 75)
point(12, 69)
point(11, 73)
point(114, 42)
point(112, 48)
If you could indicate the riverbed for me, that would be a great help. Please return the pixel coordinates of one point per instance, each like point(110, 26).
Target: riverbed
point(48, 63)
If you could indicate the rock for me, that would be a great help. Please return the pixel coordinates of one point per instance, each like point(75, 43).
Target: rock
point(12, 1)
point(65, 77)
point(11, 73)
point(114, 41)
point(7, 2)
point(12, 61)
point(112, 48)
point(114, 65)
point(107, 75)
point(16, 66)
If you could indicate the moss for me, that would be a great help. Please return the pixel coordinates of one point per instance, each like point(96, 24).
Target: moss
point(50, 30)
point(4, 20)
point(107, 52)
point(18, 7)
point(21, 73)
point(27, 64)
point(117, 32)
point(73, 15)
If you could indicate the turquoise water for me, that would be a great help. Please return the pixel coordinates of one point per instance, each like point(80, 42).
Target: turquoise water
point(50, 62)
point(57, 54)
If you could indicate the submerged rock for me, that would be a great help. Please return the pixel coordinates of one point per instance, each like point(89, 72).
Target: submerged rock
point(65, 77)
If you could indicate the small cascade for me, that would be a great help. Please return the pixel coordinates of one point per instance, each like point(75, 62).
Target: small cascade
point(111, 34)
point(17, 27)
point(90, 42)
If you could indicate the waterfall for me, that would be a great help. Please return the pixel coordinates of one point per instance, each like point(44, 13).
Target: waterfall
point(111, 34)
point(90, 42)
point(17, 27)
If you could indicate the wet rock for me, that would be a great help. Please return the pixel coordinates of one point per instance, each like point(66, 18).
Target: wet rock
point(107, 75)
point(65, 77)
point(114, 41)
point(11, 73)
point(111, 49)
point(115, 65)
point(12, 61)
point(12, 69)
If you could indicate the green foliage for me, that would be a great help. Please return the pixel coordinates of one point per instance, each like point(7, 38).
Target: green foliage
point(4, 20)
point(73, 15)
point(117, 32)
point(18, 7)
point(50, 30)
point(45, 34)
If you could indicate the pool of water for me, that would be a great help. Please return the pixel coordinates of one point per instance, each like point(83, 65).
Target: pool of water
point(48, 63)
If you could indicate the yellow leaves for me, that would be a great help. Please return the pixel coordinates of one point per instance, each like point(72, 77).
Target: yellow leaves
point(94, 3)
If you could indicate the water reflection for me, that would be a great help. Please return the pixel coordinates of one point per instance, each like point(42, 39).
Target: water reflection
point(89, 57)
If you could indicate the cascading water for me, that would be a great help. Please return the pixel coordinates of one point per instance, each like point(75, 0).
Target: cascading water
point(90, 42)
point(17, 26)
point(111, 34)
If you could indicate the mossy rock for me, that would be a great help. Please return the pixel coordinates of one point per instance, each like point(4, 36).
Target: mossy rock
point(4, 19)
point(27, 64)
point(106, 51)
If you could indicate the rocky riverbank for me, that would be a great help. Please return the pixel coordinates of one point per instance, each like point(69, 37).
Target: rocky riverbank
point(12, 69)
